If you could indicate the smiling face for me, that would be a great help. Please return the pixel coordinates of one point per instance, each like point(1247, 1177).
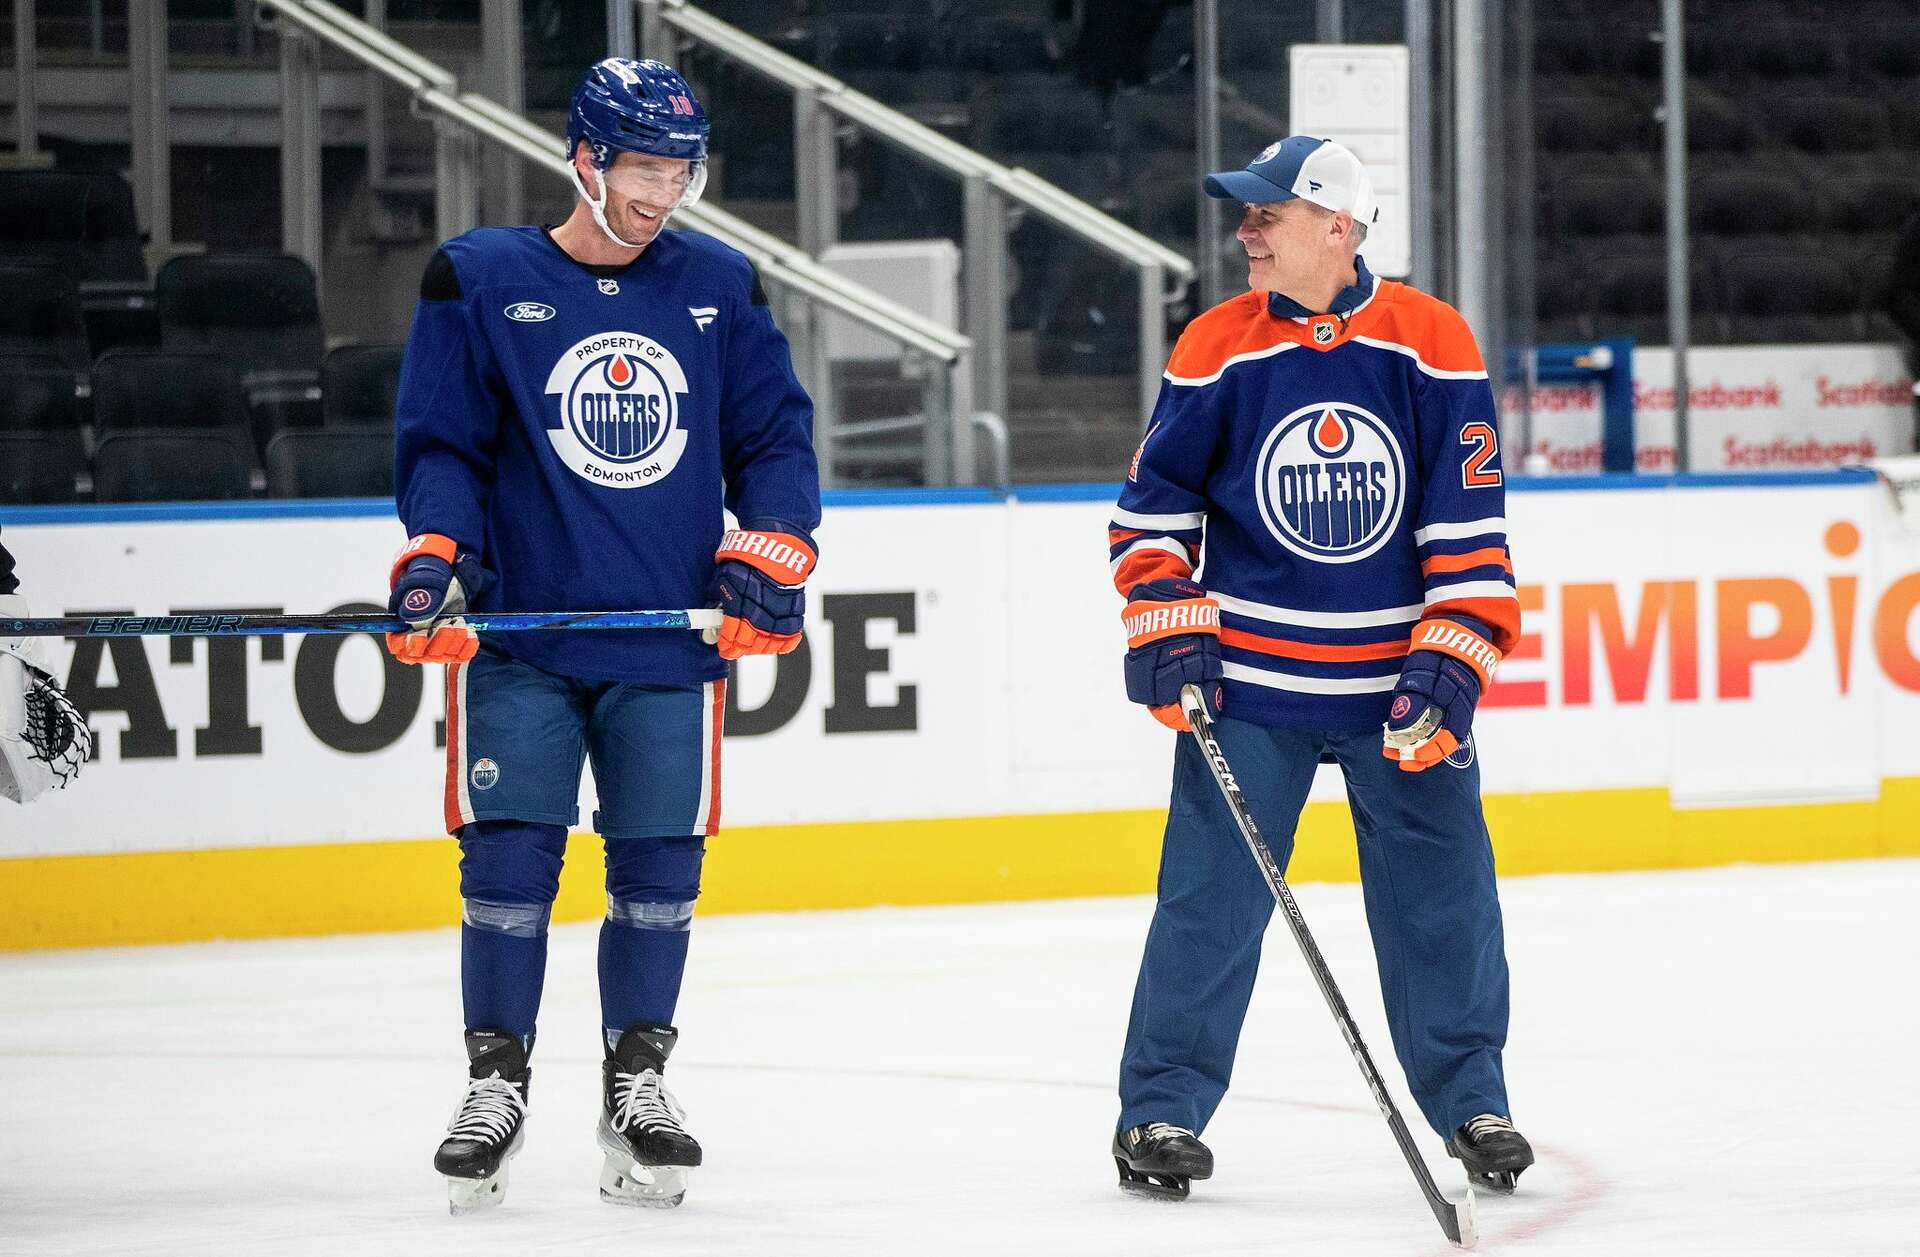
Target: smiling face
point(641, 191)
point(1299, 249)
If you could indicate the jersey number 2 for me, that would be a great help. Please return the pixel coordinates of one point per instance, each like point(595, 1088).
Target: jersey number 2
point(1475, 473)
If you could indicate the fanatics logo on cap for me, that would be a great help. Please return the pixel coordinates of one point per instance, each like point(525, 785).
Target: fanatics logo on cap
point(1332, 482)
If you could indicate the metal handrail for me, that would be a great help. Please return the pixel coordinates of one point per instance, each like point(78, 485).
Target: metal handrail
point(780, 262)
point(1071, 213)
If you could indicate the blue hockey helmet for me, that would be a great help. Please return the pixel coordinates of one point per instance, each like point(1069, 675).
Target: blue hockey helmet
point(624, 106)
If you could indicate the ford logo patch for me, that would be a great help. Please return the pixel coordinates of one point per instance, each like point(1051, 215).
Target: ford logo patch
point(529, 312)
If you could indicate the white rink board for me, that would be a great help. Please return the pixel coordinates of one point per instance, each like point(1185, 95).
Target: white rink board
point(1000, 692)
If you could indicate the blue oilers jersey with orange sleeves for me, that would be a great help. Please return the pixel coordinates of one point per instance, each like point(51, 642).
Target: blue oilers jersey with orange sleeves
point(580, 429)
point(1332, 480)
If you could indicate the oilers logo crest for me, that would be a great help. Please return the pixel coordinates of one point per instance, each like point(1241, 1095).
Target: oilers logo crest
point(1332, 482)
point(620, 396)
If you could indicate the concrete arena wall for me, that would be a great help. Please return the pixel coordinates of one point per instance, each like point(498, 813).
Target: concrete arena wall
point(1716, 669)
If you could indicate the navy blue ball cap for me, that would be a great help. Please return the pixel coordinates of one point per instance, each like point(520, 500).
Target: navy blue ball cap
point(1302, 167)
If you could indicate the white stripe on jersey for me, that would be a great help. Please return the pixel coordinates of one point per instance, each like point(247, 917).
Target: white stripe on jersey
point(1414, 354)
point(1309, 685)
point(1161, 523)
point(1152, 543)
point(1318, 619)
point(1195, 381)
point(1470, 589)
point(1460, 531)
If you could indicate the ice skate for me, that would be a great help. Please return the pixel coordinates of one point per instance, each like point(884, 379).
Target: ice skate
point(648, 1148)
point(1160, 1160)
point(1493, 1152)
point(488, 1127)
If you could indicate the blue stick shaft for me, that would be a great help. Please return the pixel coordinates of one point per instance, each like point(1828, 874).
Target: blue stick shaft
point(217, 624)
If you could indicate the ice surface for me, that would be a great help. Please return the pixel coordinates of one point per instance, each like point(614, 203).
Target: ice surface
point(1710, 1062)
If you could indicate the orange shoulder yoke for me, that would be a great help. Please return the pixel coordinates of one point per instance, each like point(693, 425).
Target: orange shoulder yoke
point(1403, 315)
point(1229, 330)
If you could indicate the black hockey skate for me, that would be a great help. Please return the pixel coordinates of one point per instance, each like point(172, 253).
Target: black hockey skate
point(1493, 1152)
point(1160, 1160)
point(648, 1148)
point(488, 1127)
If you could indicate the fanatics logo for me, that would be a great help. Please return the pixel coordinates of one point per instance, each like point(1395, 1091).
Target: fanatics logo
point(611, 287)
point(1323, 333)
point(1331, 484)
point(703, 315)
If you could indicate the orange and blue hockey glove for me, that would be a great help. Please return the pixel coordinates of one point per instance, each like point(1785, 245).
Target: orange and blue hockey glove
point(431, 598)
point(1449, 665)
point(1173, 639)
point(759, 584)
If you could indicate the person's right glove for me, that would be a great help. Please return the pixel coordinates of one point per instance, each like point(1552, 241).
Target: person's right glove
point(1431, 712)
point(432, 598)
point(1173, 639)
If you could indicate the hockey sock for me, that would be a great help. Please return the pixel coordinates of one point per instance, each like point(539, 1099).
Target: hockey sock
point(651, 887)
point(509, 875)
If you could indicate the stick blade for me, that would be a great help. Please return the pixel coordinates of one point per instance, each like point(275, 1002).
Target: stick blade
point(1466, 1223)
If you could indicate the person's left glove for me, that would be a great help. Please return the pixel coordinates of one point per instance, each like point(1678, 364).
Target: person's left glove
point(1431, 713)
point(759, 584)
point(431, 580)
point(1173, 639)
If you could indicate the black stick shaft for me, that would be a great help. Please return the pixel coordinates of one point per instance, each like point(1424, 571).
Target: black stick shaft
point(1444, 1210)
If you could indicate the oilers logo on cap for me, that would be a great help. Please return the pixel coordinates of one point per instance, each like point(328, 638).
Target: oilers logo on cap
point(1302, 167)
point(1332, 482)
point(619, 410)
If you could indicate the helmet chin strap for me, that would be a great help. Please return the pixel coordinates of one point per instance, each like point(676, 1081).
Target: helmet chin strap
point(598, 204)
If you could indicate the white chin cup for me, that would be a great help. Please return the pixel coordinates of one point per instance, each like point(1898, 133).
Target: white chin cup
point(598, 204)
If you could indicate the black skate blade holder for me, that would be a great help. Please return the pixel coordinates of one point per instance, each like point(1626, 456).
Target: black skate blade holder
point(1456, 1219)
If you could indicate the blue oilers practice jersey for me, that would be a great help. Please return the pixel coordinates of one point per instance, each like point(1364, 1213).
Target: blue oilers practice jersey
point(1332, 480)
point(580, 428)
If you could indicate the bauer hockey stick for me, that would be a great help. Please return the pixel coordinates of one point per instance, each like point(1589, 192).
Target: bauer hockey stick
point(1456, 1220)
point(238, 624)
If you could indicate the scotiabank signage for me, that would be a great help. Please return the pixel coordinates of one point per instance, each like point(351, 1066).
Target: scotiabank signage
point(1750, 407)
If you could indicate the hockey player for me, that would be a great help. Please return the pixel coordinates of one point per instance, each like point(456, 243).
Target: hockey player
point(576, 406)
point(1327, 442)
point(44, 740)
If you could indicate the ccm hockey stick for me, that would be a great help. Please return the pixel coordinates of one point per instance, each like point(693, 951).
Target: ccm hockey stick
point(1456, 1220)
point(236, 624)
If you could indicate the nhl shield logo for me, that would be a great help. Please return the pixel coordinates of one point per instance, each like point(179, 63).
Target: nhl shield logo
point(610, 286)
point(619, 423)
point(1332, 482)
point(1323, 333)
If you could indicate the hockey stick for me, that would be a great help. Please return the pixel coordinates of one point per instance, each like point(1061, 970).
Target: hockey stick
point(236, 624)
point(1456, 1220)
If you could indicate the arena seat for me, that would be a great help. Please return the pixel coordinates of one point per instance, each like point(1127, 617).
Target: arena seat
point(159, 465)
point(39, 467)
point(855, 42)
point(42, 316)
point(358, 384)
point(1599, 205)
point(344, 462)
point(140, 389)
point(1777, 296)
point(1831, 123)
point(260, 311)
point(1589, 122)
point(1745, 202)
point(42, 401)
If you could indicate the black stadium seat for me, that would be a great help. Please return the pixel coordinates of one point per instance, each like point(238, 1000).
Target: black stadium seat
point(41, 315)
point(40, 401)
point(1831, 124)
point(1601, 205)
point(155, 388)
point(1589, 122)
point(162, 465)
point(1746, 202)
point(261, 311)
point(1792, 297)
point(358, 384)
point(39, 467)
point(331, 463)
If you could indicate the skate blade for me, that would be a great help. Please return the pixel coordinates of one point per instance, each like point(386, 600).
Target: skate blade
point(624, 1182)
point(1150, 1186)
point(1500, 1183)
point(476, 1195)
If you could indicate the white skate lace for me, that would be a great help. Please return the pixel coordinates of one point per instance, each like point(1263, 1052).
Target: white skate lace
point(641, 1100)
point(487, 1111)
point(1480, 1127)
point(1156, 1129)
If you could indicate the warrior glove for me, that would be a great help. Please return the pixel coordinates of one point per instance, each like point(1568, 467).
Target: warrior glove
point(1173, 639)
point(1430, 716)
point(431, 580)
point(759, 584)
